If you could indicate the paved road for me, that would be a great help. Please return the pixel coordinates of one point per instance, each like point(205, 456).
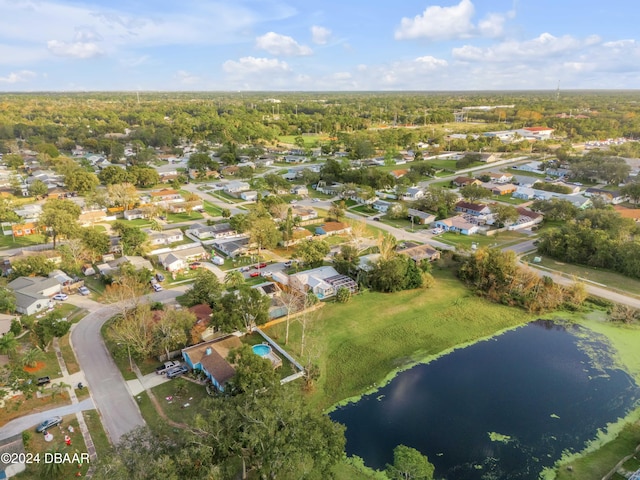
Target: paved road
point(29, 422)
point(118, 409)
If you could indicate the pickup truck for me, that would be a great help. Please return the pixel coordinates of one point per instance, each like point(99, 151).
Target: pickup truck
point(166, 366)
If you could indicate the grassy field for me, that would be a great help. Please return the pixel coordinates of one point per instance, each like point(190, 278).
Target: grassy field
point(183, 217)
point(364, 210)
point(465, 241)
point(376, 334)
point(8, 241)
point(611, 279)
point(212, 209)
point(309, 140)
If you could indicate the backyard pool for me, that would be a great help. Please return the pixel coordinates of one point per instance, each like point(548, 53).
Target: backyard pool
point(262, 350)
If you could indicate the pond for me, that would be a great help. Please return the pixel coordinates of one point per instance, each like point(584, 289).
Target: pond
point(499, 409)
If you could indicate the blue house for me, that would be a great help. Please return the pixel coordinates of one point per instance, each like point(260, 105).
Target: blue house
point(211, 359)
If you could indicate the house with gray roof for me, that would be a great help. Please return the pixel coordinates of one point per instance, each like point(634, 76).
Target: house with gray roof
point(33, 293)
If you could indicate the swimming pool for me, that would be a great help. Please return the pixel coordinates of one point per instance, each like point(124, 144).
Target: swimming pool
point(262, 350)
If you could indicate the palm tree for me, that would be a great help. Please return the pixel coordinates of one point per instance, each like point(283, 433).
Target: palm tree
point(234, 279)
point(58, 388)
point(31, 357)
point(8, 344)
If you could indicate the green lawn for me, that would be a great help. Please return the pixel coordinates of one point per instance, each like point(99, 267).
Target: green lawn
point(630, 286)
point(402, 223)
point(183, 392)
point(364, 210)
point(8, 241)
point(212, 209)
point(138, 222)
point(359, 344)
point(99, 437)
point(184, 217)
point(465, 241)
point(309, 140)
point(507, 199)
point(225, 197)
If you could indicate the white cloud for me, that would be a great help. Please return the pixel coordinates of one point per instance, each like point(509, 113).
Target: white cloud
point(445, 23)
point(320, 35)
point(277, 44)
point(74, 49)
point(253, 65)
point(541, 47)
point(18, 77)
point(186, 78)
point(431, 62)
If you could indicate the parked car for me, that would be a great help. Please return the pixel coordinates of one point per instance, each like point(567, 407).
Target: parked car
point(48, 423)
point(217, 260)
point(43, 381)
point(260, 265)
point(254, 274)
point(288, 264)
point(177, 371)
point(166, 366)
point(267, 274)
point(157, 287)
point(376, 219)
point(159, 277)
point(60, 296)
point(84, 291)
point(195, 265)
point(245, 269)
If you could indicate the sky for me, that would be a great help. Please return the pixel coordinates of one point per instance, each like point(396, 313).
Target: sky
point(302, 45)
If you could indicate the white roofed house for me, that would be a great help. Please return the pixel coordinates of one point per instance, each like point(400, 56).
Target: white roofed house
point(165, 237)
point(324, 282)
point(249, 195)
point(235, 187)
point(412, 194)
point(219, 230)
point(382, 206)
point(420, 217)
point(179, 259)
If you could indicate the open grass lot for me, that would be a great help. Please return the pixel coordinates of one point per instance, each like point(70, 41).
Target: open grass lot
point(309, 140)
point(8, 241)
point(506, 199)
point(402, 223)
point(183, 217)
point(37, 444)
point(182, 392)
point(630, 286)
point(465, 241)
point(361, 343)
point(596, 465)
point(212, 209)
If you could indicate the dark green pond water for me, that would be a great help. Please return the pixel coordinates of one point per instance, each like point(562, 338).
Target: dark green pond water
point(546, 386)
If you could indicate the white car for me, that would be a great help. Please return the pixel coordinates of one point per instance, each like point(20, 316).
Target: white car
point(84, 291)
point(60, 297)
point(157, 287)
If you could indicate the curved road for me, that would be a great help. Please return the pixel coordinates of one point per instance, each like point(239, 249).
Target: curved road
point(111, 396)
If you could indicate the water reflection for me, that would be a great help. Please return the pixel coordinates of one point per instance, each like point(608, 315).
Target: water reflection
point(540, 389)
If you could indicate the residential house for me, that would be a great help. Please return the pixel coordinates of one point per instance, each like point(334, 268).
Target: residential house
point(366, 263)
point(475, 209)
point(30, 212)
point(488, 158)
point(92, 217)
point(53, 255)
point(614, 197)
point(235, 187)
point(571, 188)
point(465, 181)
point(412, 194)
point(417, 253)
point(579, 201)
point(219, 230)
point(166, 195)
point(537, 133)
point(324, 282)
point(398, 173)
point(301, 190)
point(500, 177)
point(165, 237)
point(230, 171)
point(524, 193)
point(249, 196)
point(232, 247)
point(135, 214)
point(495, 189)
point(33, 293)
point(527, 219)
point(136, 261)
point(177, 260)
point(298, 235)
point(278, 308)
point(457, 224)
point(382, 206)
point(333, 189)
point(420, 217)
point(211, 359)
point(25, 229)
point(333, 228)
point(533, 167)
point(305, 213)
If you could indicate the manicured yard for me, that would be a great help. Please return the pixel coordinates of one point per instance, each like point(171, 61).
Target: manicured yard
point(465, 241)
point(506, 199)
point(364, 210)
point(37, 444)
point(8, 241)
point(402, 223)
point(212, 209)
point(184, 217)
point(309, 140)
point(630, 286)
point(359, 344)
point(67, 354)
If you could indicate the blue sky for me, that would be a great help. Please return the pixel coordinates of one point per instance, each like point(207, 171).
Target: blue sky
point(69, 45)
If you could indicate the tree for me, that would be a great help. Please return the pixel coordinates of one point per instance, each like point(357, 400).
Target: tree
point(113, 175)
point(132, 238)
point(343, 295)
point(95, 241)
point(632, 190)
point(242, 309)
point(169, 334)
point(8, 344)
point(205, 289)
point(346, 260)
point(240, 222)
point(60, 218)
point(135, 331)
point(50, 327)
point(7, 300)
point(7, 207)
point(264, 233)
point(126, 290)
point(123, 195)
point(13, 161)
point(234, 279)
point(31, 357)
point(474, 192)
point(505, 214)
point(312, 252)
point(225, 213)
point(81, 181)
point(409, 464)
point(337, 210)
point(34, 265)
point(145, 177)
point(38, 189)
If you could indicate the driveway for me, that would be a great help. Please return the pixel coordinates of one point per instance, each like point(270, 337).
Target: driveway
point(28, 422)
